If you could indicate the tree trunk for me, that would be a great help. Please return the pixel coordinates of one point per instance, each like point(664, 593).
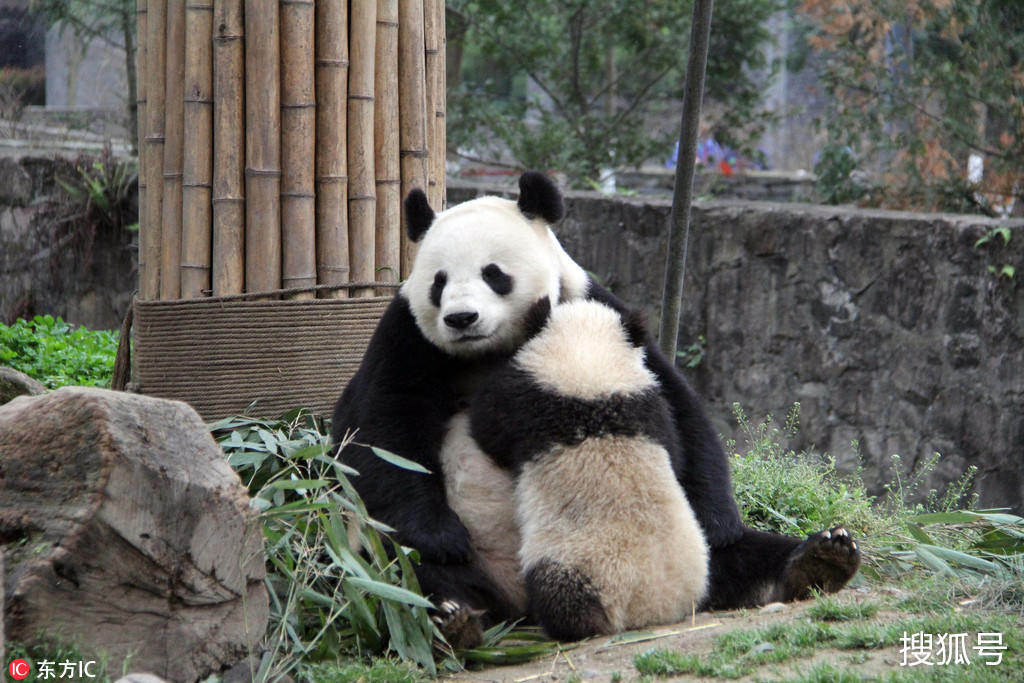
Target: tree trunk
point(127, 534)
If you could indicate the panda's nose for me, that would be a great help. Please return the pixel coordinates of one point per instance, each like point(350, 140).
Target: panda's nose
point(461, 321)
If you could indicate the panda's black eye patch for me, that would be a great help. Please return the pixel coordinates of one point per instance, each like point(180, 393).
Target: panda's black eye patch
point(497, 279)
point(440, 280)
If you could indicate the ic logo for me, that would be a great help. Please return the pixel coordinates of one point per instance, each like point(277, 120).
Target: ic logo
point(19, 669)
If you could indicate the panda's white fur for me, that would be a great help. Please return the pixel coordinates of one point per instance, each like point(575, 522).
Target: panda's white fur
point(602, 517)
point(461, 242)
point(482, 494)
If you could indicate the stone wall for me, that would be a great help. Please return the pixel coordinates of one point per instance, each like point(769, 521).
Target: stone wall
point(887, 327)
point(49, 264)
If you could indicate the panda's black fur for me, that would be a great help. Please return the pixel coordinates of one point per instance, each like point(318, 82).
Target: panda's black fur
point(408, 389)
point(609, 542)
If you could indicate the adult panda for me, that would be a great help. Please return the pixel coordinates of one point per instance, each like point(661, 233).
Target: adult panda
point(609, 541)
point(461, 313)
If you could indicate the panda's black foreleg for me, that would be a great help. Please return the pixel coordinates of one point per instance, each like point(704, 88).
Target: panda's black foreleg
point(466, 601)
point(762, 567)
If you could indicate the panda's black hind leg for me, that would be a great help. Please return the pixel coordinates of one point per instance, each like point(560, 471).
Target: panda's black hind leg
point(824, 562)
point(762, 567)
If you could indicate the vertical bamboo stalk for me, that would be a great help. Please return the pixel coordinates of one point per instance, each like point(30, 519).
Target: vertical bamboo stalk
point(228, 148)
point(141, 76)
point(298, 145)
point(262, 146)
point(174, 132)
point(197, 183)
point(433, 38)
point(362, 197)
point(388, 238)
point(150, 238)
point(331, 153)
point(439, 151)
point(411, 108)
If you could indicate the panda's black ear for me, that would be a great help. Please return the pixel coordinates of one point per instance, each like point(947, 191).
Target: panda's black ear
point(539, 197)
point(537, 317)
point(418, 214)
point(635, 324)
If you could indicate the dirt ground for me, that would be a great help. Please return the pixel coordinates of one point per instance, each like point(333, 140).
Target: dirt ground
point(598, 659)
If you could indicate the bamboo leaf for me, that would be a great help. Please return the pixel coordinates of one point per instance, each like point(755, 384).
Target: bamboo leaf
point(398, 460)
point(390, 592)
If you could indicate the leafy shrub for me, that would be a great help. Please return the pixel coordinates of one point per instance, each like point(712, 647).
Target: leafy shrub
point(329, 603)
point(58, 354)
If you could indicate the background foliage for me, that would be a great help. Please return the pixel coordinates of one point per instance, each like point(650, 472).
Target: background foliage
point(915, 87)
point(571, 86)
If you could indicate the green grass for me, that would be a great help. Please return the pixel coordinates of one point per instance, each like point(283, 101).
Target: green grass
point(58, 354)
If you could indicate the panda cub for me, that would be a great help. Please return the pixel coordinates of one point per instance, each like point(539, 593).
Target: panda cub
point(609, 541)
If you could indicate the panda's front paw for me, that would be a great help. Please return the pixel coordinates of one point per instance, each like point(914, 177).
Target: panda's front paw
point(826, 561)
point(460, 625)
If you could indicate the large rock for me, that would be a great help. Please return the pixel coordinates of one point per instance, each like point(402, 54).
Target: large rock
point(127, 533)
point(14, 383)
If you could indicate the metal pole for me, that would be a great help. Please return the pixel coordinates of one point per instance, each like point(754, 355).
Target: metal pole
point(682, 194)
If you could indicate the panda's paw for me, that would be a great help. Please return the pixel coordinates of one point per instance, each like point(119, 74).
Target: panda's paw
point(460, 625)
point(825, 562)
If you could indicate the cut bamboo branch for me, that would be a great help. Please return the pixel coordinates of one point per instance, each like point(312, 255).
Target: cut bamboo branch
point(228, 149)
point(433, 36)
point(197, 183)
point(388, 238)
point(331, 153)
point(141, 76)
point(412, 108)
point(150, 238)
point(362, 197)
point(298, 146)
point(174, 127)
point(262, 146)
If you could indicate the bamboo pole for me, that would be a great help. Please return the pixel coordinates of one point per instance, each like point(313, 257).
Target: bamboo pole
point(433, 37)
point(298, 146)
point(362, 198)
point(682, 193)
point(228, 147)
point(262, 146)
point(141, 76)
point(331, 152)
point(149, 239)
point(411, 108)
point(197, 182)
point(174, 127)
point(388, 237)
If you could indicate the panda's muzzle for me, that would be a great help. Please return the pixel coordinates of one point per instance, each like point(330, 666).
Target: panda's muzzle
point(460, 321)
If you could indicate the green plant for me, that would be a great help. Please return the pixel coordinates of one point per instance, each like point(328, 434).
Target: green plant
point(692, 355)
point(340, 588)
point(106, 190)
point(790, 493)
point(989, 241)
point(58, 354)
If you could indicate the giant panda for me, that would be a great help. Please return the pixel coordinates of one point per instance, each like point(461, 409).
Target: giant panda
point(479, 268)
point(609, 541)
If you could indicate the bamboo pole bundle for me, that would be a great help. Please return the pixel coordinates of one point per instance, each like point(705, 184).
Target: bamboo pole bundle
point(298, 146)
point(362, 196)
point(228, 147)
point(433, 37)
point(197, 182)
point(388, 238)
point(412, 105)
point(331, 150)
point(141, 48)
point(170, 240)
point(262, 146)
point(150, 237)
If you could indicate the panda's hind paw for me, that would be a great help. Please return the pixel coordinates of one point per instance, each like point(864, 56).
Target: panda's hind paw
point(826, 561)
point(460, 624)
